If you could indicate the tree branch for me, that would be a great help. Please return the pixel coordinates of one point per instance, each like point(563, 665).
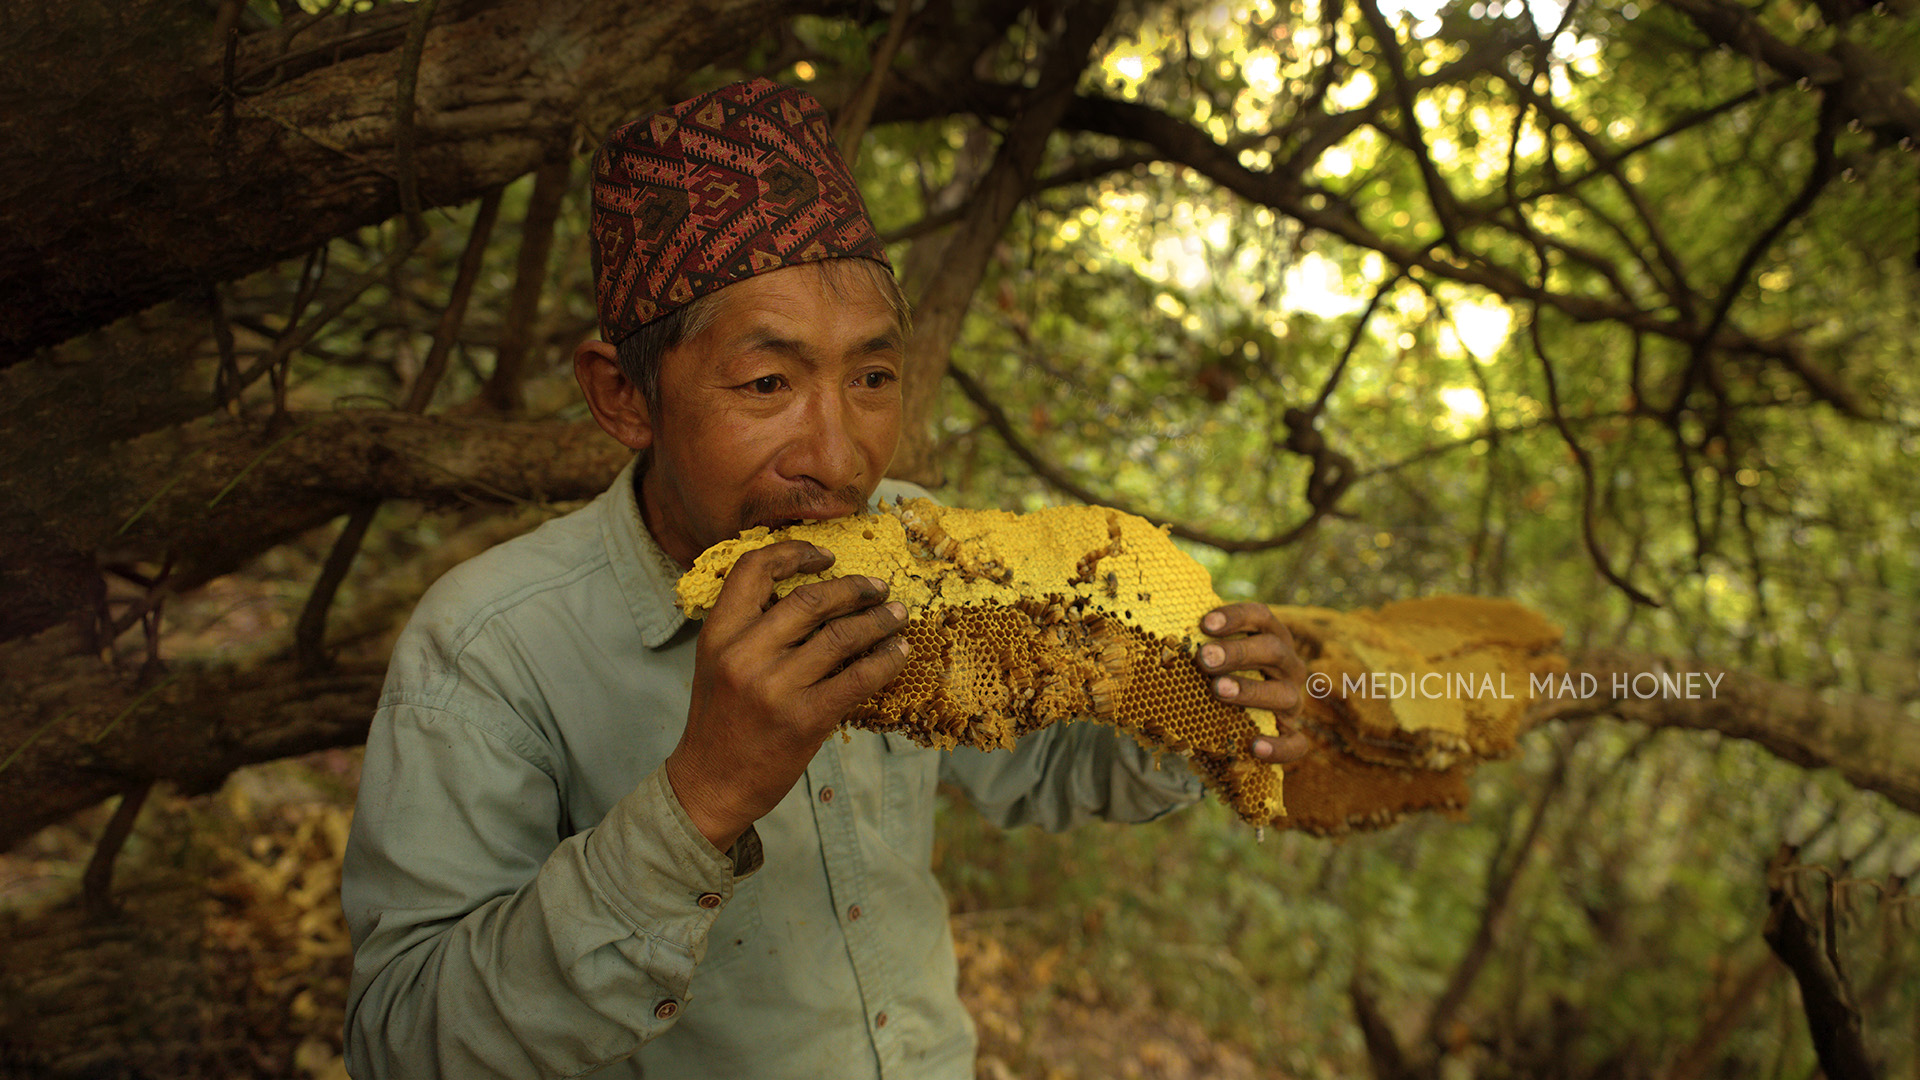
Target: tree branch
point(1870, 742)
point(502, 391)
point(218, 492)
point(1832, 1017)
point(996, 418)
point(503, 86)
point(942, 305)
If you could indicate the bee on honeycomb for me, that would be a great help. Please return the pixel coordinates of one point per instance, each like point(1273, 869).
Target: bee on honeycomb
point(1020, 621)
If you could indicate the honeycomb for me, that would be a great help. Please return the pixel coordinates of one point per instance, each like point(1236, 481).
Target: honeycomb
point(1377, 757)
point(1020, 621)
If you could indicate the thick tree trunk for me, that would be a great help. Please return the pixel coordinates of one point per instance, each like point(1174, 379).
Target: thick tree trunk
point(76, 730)
point(137, 163)
point(209, 496)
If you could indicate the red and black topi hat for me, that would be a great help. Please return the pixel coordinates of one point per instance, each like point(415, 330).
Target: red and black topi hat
point(733, 183)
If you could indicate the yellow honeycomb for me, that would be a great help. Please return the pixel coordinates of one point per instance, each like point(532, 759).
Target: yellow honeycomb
point(1020, 621)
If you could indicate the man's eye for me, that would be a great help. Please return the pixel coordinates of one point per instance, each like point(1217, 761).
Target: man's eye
point(874, 380)
point(767, 384)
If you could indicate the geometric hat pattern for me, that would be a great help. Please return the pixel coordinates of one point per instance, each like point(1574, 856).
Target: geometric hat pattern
point(732, 183)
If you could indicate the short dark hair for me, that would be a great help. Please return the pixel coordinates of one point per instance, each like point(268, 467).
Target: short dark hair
point(639, 354)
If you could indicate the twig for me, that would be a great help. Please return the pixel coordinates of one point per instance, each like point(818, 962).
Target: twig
point(404, 86)
point(502, 390)
point(309, 636)
point(1502, 875)
point(128, 711)
point(1609, 163)
point(310, 633)
point(297, 337)
point(1824, 168)
point(96, 884)
point(227, 381)
point(1353, 342)
point(996, 418)
point(435, 365)
point(37, 732)
point(1589, 530)
point(1445, 205)
point(851, 125)
point(257, 459)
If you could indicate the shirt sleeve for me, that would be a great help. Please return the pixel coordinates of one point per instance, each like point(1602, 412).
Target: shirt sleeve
point(1066, 774)
point(486, 943)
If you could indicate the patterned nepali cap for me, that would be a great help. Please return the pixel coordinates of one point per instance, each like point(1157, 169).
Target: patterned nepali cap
point(733, 183)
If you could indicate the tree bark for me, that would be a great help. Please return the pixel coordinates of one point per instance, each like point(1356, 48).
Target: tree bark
point(75, 730)
point(1871, 742)
point(213, 494)
point(942, 305)
point(140, 165)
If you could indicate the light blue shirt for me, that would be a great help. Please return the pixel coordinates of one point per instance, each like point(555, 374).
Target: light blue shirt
point(527, 897)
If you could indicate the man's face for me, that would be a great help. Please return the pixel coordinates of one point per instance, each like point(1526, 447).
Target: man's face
point(786, 407)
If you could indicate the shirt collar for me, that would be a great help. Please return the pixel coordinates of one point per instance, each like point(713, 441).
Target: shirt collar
point(646, 574)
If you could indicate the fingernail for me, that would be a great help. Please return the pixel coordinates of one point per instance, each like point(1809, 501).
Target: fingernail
point(1211, 655)
point(899, 609)
point(1213, 622)
point(878, 584)
point(903, 646)
point(822, 552)
point(1262, 748)
point(1227, 688)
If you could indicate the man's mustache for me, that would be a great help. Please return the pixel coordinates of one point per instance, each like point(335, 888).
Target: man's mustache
point(803, 504)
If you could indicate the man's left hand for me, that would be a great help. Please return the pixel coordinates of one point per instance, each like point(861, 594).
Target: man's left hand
point(1268, 650)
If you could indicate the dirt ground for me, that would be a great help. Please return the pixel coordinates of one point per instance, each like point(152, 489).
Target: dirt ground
point(227, 957)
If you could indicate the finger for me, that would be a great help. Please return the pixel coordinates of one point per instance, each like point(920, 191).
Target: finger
point(842, 639)
point(1288, 746)
point(1271, 653)
point(813, 605)
point(1248, 616)
point(1256, 619)
point(864, 677)
point(1274, 695)
point(749, 584)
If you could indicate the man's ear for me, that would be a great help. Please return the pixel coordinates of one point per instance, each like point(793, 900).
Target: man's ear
point(618, 406)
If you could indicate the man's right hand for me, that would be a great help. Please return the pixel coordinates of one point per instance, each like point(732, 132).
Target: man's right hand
point(771, 680)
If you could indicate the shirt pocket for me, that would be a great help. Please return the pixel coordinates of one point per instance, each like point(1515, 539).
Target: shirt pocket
point(909, 774)
point(736, 931)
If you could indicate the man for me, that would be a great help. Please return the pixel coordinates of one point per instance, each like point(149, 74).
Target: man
point(595, 838)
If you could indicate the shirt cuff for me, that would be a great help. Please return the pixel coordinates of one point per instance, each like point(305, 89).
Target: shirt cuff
point(654, 866)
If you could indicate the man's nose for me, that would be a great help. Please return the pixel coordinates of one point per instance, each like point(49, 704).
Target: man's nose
point(827, 448)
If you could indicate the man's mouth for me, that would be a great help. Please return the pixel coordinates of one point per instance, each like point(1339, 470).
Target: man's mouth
point(800, 507)
point(822, 514)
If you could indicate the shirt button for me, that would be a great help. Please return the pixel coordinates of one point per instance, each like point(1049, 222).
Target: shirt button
point(853, 912)
point(710, 900)
point(880, 1021)
point(666, 1010)
point(826, 794)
